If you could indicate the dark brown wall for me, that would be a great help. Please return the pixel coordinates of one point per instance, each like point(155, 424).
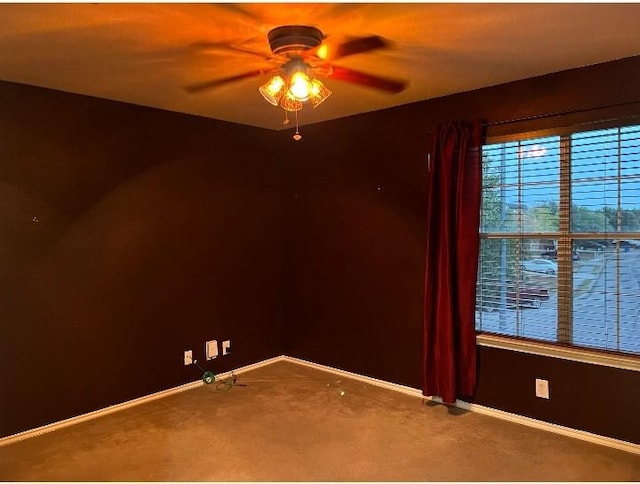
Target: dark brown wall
point(155, 231)
point(355, 205)
point(128, 236)
point(594, 398)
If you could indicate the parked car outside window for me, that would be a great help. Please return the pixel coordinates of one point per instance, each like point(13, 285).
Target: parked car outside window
point(543, 266)
point(592, 245)
point(516, 295)
point(553, 254)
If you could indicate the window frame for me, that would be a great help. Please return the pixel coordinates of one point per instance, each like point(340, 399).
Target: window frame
point(562, 348)
point(558, 350)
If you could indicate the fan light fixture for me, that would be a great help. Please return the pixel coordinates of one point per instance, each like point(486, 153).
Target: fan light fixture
point(300, 54)
point(292, 93)
point(296, 87)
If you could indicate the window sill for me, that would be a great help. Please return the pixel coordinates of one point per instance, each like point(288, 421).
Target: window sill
point(572, 354)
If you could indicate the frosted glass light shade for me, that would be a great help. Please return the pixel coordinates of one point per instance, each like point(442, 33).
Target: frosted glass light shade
point(318, 93)
point(273, 90)
point(290, 103)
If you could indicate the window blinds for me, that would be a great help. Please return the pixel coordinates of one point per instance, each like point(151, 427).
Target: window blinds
point(560, 239)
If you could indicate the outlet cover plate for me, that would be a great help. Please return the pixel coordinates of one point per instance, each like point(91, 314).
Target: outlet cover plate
point(188, 357)
point(542, 388)
point(211, 349)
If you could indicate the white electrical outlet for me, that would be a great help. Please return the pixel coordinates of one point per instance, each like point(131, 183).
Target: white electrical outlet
point(226, 347)
point(188, 357)
point(542, 388)
point(211, 349)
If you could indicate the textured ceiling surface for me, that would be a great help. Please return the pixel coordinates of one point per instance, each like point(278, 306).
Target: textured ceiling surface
point(148, 53)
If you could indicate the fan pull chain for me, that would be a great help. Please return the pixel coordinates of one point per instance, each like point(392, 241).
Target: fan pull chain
point(286, 117)
point(297, 136)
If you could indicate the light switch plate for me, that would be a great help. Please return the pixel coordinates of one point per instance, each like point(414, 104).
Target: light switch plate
point(226, 347)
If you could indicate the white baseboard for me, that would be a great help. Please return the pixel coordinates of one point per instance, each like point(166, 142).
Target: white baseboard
point(474, 407)
point(121, 406)
point(414, 392)
point(551, 427)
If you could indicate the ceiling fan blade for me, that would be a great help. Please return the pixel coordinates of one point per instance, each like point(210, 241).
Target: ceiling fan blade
point(225, 46)
point(202, 86)
point(368, 80)
point(238, 10)
point(359, 45)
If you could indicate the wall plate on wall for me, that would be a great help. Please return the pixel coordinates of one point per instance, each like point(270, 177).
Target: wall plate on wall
point(226, 347)
point(211, 349)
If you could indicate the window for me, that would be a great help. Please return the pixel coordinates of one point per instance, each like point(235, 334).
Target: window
point(560, 239)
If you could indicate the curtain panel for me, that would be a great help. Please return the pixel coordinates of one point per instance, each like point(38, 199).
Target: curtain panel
point(453, 218)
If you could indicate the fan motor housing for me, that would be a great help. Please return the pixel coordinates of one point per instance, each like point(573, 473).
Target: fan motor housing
point(294, 38)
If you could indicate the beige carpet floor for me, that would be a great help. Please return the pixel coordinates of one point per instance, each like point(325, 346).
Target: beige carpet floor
point(294, 423)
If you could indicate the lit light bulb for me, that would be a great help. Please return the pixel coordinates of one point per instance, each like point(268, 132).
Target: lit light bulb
point(300, 86)
point(315, 88)
point(323, 52)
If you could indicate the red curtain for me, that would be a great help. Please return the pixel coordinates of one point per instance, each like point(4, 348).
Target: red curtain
point(453, 217)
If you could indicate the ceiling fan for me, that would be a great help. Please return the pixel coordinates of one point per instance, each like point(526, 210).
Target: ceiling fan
point(300, 55)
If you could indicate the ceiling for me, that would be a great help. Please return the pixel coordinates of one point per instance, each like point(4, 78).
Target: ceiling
point(145, 53)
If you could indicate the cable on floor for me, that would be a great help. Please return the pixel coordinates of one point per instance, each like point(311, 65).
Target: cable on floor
point(224, 385)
